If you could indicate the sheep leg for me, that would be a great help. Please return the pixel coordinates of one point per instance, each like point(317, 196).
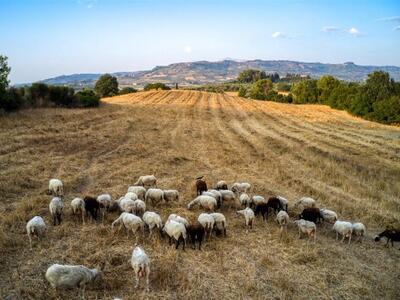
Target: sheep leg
point(349, 239)
point(299, 234)
point(137, 281)
point(337, 235)
point(147, 278)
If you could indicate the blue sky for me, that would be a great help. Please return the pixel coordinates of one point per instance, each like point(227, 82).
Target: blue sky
point(46, 38)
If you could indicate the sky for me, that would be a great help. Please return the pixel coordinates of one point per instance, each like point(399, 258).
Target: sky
point(47, 38)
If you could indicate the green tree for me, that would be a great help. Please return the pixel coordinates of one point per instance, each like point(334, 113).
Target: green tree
point(156, 86)
point(242, 91)
point(326, 84)
point(387, 111)
point(4, 72)
point(260, 89)
point(106, 86)
point(283, 86)
point(127, 90)
point(305, 91)
point(39, 94)
point(87, 98)
point(251, 75)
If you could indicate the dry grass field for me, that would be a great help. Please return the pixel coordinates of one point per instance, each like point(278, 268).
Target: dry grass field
point(349, 165)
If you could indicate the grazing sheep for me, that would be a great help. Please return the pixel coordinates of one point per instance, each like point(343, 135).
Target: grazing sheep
point(152, 220)
point(131, 195)
point(154, 196)
point(178, 219)
point(282, 218)
point(208, 223)
point(221, 185)
point(311, 214)
point(195, 233)
point(245, 200)
point(177, 231)
point(305, 202)
point(114, 207)
point(219, 222)
point(171, 195)
point(343, 228)
point(78, 205)
point(275, 204)
point(239, 188)
point(91, 206)
point(207, 202)
point(56, 207)
point(35, 226)
point(105, 201)
point(147, 181)
point(284, 203)
point(248, 216)
point(308, 228)
point(328, 215)
point(130, 222)
point(201, 186)
point(263, 208)
point(216, 194)
point(139, 208)
point(68, 277)
point(228, 197)
point(141, 266)
point(255, 200)
point(139, 190)
point(359, 230)
point(126, 205)
point(391, 235)
point(56, 187)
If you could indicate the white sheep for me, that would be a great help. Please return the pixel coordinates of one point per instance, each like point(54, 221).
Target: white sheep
point(245, 200)
point(219, 222)
point(154, 196)
point(248, 214)
point(256, 199)
point(139, 190)
point(171, 195)
point(131, 195)
point(78, 206)
point(221, 185)
point(206, 202)
point(228, 197)
point(208, 223)
point(308, 228)
point(343, 228)
point(359, 230)
point(305, 202)
point(239, 188)
point(147, 181)
point(177, 231)
point(216, 194)
point(130, 222)
point(328, 215)
point(284, 203)
point(126, 204)
point(139, 208)
point(68, 277)
point(141, 266)
point(56, 187)
point(152, 220)
point(56, 207)
point(178, 219)
point(35, 226)
point(282, 218)
point(105, 202)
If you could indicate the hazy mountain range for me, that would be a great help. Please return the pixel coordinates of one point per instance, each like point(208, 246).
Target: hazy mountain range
point(203, 72)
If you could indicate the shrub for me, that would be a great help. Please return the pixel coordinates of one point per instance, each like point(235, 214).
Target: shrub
point(325, 85)
point(305, 91)
point(87, 98)
point(61, 95)
point(283, 86)
point(156, 86)
point(242, 91)
point(251, 75)
point(12, 100)
point(260, 89)
point(106, 86)
point(127, 90)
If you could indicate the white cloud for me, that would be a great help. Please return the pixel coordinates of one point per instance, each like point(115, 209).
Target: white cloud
point(278, 34)
point(354, 32)
point(188, 49)
point(330, 29)
point(390, 19)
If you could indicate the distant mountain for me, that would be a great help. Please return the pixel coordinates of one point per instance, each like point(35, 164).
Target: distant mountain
point(203, 72)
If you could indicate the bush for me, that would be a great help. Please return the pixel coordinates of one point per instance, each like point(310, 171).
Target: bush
point(242, 92)
point(61, 95)
point(251, 75)
point(156, 86)
point(127, 90)
point(260, 89)
point(12, 100)
point(283, 86)
point(305, 92)
point(87, 98)
point(106, 86)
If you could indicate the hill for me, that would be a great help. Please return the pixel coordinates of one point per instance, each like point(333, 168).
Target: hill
point(349, 165)
point(203, 72)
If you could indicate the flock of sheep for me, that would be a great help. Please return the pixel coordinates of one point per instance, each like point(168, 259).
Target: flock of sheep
point(134, 217)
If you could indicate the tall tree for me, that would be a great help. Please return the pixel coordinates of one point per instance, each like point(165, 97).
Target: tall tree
point(106, 86)
point(4, 72)
point(305, 91)
point(326, 84)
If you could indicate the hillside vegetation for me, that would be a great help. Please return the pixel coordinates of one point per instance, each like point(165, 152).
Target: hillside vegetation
point(348, 164)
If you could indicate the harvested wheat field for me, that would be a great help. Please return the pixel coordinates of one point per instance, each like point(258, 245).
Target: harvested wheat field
point(349, 165)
